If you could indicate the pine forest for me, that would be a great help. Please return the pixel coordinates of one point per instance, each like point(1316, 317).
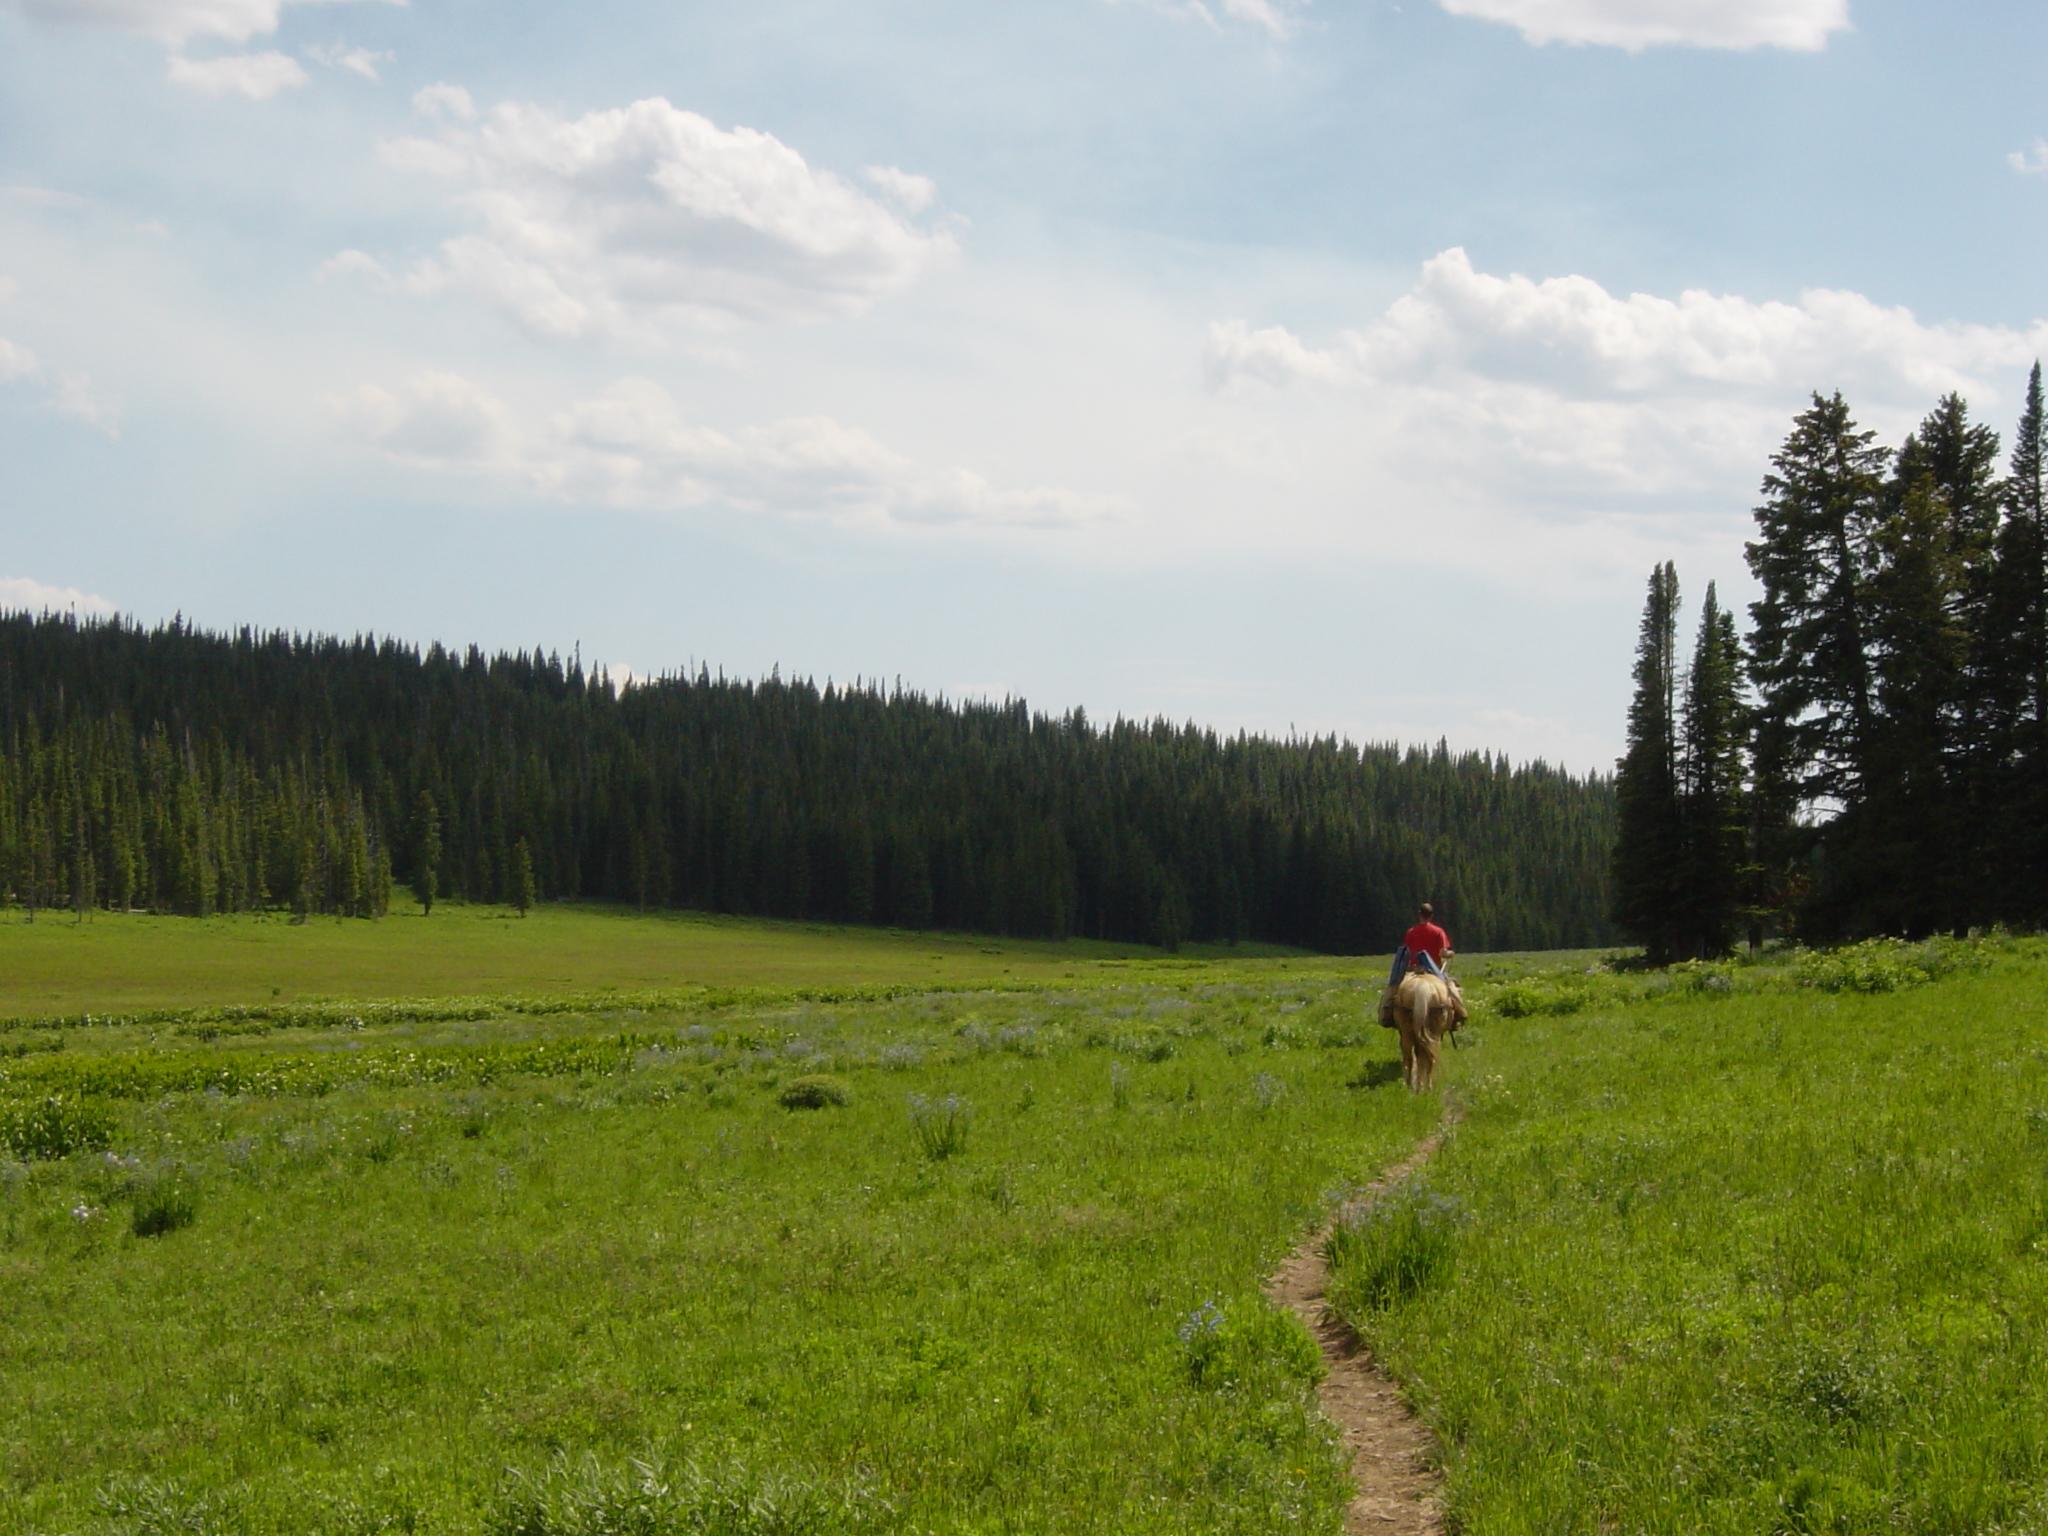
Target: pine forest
point(1874, 760)
point(183, 771)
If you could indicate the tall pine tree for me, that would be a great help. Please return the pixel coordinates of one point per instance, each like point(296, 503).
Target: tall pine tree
point(2019, 623)
point(426, 852)
point(1809, 659)
point(1713, 816)
point(1900, 852)
point(1649, 846)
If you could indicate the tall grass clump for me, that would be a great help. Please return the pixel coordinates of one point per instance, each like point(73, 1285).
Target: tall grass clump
point(588, 1497)
point(940, 1125)
point(164, 1201)
point(1392, 1248)
point(54, 1127)
point(1881, 965)
point(1542, 997)
point(819, 1090)
point(1227, 1347)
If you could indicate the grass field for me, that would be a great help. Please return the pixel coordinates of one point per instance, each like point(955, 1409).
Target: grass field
point(1738, 1250)
point(441, 1267)
point(1734, 1248)
point(113, 963)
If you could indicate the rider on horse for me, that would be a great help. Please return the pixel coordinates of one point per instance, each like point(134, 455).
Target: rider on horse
point(1424, 947)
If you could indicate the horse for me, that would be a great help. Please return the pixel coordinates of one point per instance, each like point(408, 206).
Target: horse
point(1422, 1014)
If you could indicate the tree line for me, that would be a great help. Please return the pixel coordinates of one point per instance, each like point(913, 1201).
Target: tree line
point(190, 772)
point(1874, 759)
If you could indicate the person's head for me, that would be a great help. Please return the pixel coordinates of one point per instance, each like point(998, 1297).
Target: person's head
point(1428, 913)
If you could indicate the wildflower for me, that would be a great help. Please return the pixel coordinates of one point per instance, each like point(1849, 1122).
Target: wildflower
point(1205, 1321)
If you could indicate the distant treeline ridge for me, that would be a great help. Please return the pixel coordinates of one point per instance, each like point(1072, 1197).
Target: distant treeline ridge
point(192, 772)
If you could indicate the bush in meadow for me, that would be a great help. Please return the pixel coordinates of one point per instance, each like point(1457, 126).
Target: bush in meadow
point(940, 1125)
point(54, 1127)
point(819, 1090)
point(165, 1200)
point(1393, 1248)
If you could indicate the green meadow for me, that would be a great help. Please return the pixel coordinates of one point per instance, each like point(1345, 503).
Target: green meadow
point(651, 1225)
point(1736, 1249)
point(740, 1259)
point(123, 962)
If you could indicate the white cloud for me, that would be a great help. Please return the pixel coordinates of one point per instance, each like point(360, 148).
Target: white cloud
point(8, 288)
point(2032, 161)
point(632, 448)
point(21, 593)
point(76, 396)
point(1278, 19)
point(910, 192)
point(1271, 355)
point(258, 76)
point(72, 394)
point(1570, 335)
point(354, 264)
point(607, 223)
point(17, 362)
point(444, 100)
point(357, 61)
point(43, 197)
point(1553, 431)
point(174, 23)
point(1800, 25)
point(440, 419)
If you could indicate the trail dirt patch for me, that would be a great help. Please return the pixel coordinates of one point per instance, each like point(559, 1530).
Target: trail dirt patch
point(1393, 1456)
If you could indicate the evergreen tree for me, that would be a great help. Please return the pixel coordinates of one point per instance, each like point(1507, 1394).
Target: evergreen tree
point(303, 878)
point(426, 851)
point(1808, 651)
point(1958, 461)
point(1808, 656)
point(524, 892)
point(1897, 863)
point(2019, 626)
point(379, 894)
point(1649, 845)
point(1711, 786)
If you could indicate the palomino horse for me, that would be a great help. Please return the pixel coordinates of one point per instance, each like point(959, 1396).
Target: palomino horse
point(1422, 1013)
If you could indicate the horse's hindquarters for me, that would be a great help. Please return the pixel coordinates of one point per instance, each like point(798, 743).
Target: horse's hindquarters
point(1421, 1011)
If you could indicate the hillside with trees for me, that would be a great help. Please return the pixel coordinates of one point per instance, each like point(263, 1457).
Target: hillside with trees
point(189, 772)
point(1875, 758)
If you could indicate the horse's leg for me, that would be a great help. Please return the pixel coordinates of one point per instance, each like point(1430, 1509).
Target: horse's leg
point(1434, 1024)
point(1405, 1022)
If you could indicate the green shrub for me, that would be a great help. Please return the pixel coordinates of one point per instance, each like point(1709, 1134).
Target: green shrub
point(645, 1498)
point(1541, 997)
point(1835, 1376)
point(818, 1091)
point(1875, 965)
point(144, 1507)
point(1221, 1348)
point(1394, 1248)
point(164, 1202)
point(54, 1127)
point(940, 1125)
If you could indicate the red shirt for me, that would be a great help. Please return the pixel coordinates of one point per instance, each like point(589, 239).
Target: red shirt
point(1427, 938)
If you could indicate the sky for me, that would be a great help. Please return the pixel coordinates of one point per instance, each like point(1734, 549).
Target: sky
point(1293, 366)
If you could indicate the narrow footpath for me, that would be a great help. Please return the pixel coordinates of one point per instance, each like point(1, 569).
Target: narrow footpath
point(1393, 1456)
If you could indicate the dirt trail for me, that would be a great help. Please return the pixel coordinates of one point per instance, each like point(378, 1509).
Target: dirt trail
point(1393, 1461)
